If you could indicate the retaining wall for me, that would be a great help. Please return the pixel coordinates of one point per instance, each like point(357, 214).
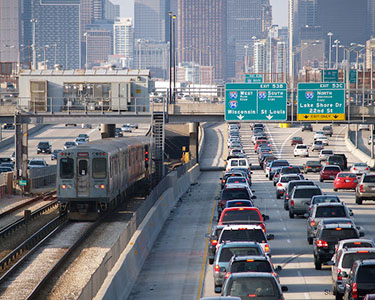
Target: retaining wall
point(356, 151)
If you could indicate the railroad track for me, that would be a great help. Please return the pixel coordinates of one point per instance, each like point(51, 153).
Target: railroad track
point(26, 278)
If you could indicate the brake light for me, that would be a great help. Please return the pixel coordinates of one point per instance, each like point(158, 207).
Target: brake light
point(223, 181)
point(217, 269)
point(242, 228)
point(312, 223)
point(362, 251)
point(354, 168)
point(267, 248)
point(213, 242)
point(355, 291)
point(357, 243)
point(292, 203)
point(321, 243)
point(361, 188)
point(338, 228)
point(366, 169)
point(252, 295)
point(249, 260)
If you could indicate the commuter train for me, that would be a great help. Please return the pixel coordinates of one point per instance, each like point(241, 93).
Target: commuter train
point(93, 177)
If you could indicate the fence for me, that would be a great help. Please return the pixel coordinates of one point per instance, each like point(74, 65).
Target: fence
point(42, 177)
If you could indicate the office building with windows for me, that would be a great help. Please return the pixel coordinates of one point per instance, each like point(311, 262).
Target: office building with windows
point(123, 40)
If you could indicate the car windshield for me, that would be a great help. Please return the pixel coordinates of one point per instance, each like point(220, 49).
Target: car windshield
point(350, 258)
point(344, 175)
point(328, 168)
point(325, 199)
point(242, 162)
point(37, 163)
point(288, 178)
point(327, 152)
point(335, 159)
point(43, 144)
point(297, 138)
point(313, 163)
point(300, 183)
point(251, 265)
point(239, 204)
point(301, 147)
point(290, 170)
point(369, 179)
point(227, 252)
point(279, 164)
point(366, 274)
point(237, 216)
point(254, 287)
point(360, 165)
point(334, 235)
point(246, 235)
point(230, 194)
point(306, 193)
point(330, 212)
point(236, 180)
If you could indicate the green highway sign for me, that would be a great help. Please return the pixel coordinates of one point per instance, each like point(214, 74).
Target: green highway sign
point(352, 76)
point(330, 75)
point(22, 182)
point(254, 78)
point(321, 101)
point(255, 101)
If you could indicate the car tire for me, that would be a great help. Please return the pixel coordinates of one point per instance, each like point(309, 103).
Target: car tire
point(310, 240)
point(335, 190)
point(295, 155)
point(291, 215)
point(274, 183)
point(338, 296)
point(277, 196)
point(321, 180)
point(210, 261)
point(358, 200)
point(317, 263)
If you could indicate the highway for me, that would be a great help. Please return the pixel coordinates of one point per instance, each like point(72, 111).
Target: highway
point(177, 267)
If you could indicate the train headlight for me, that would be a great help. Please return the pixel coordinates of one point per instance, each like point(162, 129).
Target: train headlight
point(69, 186)
point(96, 186)
point(102, 186)
point(63, 186)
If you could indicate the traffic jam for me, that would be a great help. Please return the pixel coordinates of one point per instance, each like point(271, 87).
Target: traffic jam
point(239, 250)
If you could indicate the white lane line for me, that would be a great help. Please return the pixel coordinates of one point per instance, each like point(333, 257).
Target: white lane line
point(307, 296)
point(288, 240)
point(284, 228)
point(299, 273)
point(284, 143)
point(287, 139)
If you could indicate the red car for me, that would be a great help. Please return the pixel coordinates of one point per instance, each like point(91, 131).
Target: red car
point(296, 140)
point(345, 181)
point(263, 142)
point(242, 215)
point(329, 172)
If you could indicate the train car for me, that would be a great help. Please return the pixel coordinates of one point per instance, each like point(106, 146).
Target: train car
point(93, 177)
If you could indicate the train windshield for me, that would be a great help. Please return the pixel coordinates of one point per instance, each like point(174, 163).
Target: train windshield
point(66, 168)
point(99, 168)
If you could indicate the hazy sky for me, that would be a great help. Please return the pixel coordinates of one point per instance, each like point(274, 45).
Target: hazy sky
point(279, 8)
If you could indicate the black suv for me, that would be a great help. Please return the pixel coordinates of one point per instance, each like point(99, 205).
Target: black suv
point(361, 280)
point(307, 127)
point(327, 237)
point(44, 147)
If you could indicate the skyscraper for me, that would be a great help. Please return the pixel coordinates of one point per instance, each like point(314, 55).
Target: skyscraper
point(245, 19)
point(202, 34)
point(151, 20)
point(123, 40)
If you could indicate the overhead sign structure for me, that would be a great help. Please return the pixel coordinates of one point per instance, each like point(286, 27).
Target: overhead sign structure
point(254, 78)
point(321, 101)
point(255, 102)
point(330, 75)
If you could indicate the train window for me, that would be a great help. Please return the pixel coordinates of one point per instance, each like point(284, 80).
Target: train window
point(82, 167)
point(99, 168)
point(66, 168)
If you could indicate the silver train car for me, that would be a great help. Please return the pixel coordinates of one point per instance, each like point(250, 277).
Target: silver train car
point(92, 178)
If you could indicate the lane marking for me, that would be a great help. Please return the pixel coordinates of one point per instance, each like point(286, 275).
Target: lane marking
point(204, 263)
point(288, 240)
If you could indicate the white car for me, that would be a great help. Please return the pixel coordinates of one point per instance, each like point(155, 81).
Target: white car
point(80, 140)
point(126, 128)
point(370, 138)
point(301, 150)
point(323, 155)
point(360, 168)
point(235, 151)
point(37, 163)
point(364, 127)
point(317, 145)
point(323, 139)
point(318, 134)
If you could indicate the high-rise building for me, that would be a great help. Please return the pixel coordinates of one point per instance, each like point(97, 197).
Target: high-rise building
point(202, 34)
point(98, 46)
point(123, 39)
point(260, 56)
point(57, 31)
point(245, 19)
point(151, 20)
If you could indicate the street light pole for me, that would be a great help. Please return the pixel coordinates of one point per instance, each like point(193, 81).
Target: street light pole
point(330, 49)
point(33, 21)
point(337, 53)
point(44, 56)
point(246, 58)
point(174, 57)
point(170, 57)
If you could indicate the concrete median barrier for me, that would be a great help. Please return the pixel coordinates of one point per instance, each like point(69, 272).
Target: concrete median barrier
point(357, 152)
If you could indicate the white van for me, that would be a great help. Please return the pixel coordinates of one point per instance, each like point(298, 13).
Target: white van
point(237, 163)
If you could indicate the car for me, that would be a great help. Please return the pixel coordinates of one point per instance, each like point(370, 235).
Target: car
point(231, 193)
point(327, 237)
point(258, 126)
point(328, 130)
point(324, 210)
point(353, 243)
point(366, 188)
point(343, 156)
point(329, 172)
point(336, 160)
point(312, 166)
point(248, 233)
point(235, 151)
point(238, 264)
point(323, 155)
point(318, 134)
point(236, 180)
point(55, 153)
point(364, 126)
point(253, 285)
point(71, 124)
point(301, 150)
point(243, 215)
point(118, 132)
point(290, 187)
point(44, 147)
point(231, 174)
point(270, 171)
point(261, 142)
point(360, 168)
point(7, 164)
point(342, 265)
point(37, 163)
point(323, 139)
point(8, 126)
point(324, 199)
point(225, 253)
point(300, 199)
point(268, 160)
point(360, 279)
point(345, 181)
point(4, 169)
point(134, 125)
point(5, 160)
point(296, 140)
point(317, 145)
point(68, 145)
point(13, 156)
point(213, 237)
point(79, 141)
point(84, 136)
point(264, 149)
point(307, 127)
point(126, 128)
point(237, 163)
point(283, 183)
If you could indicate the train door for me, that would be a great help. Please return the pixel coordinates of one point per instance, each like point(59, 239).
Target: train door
point(83, 178)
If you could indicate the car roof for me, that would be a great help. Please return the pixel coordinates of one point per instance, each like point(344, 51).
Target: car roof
point(355, 240)
point(237, 227)
point(306, 187)
point(240, 243)
point(252, 274)
point(338, 225)
point(255, 257)
point(355, 250)
point(330, 204)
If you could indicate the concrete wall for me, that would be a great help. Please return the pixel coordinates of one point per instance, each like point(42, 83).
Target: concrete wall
point(357, 152)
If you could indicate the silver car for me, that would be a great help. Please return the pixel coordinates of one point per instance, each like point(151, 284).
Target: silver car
point(317, 146)
point(360, 168)
point(282, 184)
point(323, 155)
point(300, 199)
point(366, 188)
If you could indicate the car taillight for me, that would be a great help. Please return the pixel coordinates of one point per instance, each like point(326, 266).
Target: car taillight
point(217, 269)
point(354, 168)
point(361, 188)
point(292, 203)
point(312, 223)
point(223, 181)
point(366, 169)
point(279, 184)
point(286, 196)
point(339, 275)
point(267, 248)
point(355, 291)
point(227, 275)
point(213, 242)
point(321, 243)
